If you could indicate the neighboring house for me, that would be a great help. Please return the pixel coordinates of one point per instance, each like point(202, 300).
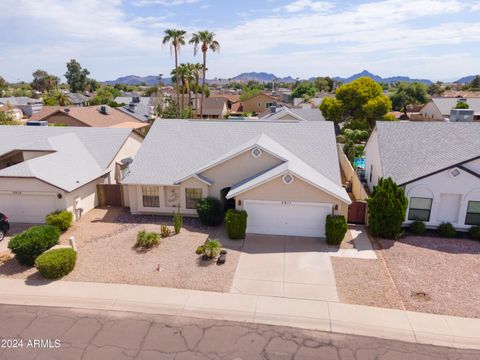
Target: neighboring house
point(298, 114)
point(28, 105)
point(439, 108)
point(437, 164)
point(140, 107)
point(286, 175)
point(77, 99)
point(44, 169)
point(93, 116)
point(213, 107)
point(259, 103)
point(12, 111)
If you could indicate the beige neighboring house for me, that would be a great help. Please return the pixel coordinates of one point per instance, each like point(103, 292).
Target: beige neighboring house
point(15, 113)
point(92, 116)
point(259, 103)
point(45, 168)
point(439, 109)
point(286, 175)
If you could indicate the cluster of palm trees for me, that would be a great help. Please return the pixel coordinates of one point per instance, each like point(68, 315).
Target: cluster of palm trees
point(189, 74)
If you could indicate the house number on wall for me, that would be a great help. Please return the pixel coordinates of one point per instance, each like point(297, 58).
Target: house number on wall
point(286, 203)
point(17, 193)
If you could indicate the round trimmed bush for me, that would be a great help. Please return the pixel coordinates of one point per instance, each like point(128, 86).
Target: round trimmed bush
point(210, 212)
point(61, 219)
point(236, 222)
point(56, 263)
point(335, 229)
point(417, 227)
point(33, 242)
point(475, 232)
point(446, 230)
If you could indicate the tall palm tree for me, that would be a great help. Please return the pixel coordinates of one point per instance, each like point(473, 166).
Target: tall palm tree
point(176, 38)
point(206, 41)
point(197, 68)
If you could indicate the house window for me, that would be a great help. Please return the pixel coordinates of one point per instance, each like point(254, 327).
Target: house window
point(192, 195)
point(150, 196)
point(420, 209)
point(268, 105)
point(473, 213)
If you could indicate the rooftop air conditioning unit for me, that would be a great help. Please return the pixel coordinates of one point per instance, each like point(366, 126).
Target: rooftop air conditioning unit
point(462, 115)
point(104, 109)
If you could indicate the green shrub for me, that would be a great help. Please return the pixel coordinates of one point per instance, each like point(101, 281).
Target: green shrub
point(475, 232)
point(34, 241)
point(335, 229)
point(236, 222)
point(61, 219)
point(387, 207)
point(210, 212)
point(164, 231)
point(212, 248)
point(417, 227)
point(446, 230)
point(56, 263)
point(177, 222)
point(147, 240)
point(200, 250)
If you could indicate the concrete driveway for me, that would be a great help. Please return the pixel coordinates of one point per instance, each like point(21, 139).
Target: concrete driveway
point(285, 266)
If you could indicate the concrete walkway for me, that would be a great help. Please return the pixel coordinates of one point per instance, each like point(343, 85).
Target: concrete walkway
point(307, 314)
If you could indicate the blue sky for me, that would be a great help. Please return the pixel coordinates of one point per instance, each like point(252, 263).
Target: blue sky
point(436, 39)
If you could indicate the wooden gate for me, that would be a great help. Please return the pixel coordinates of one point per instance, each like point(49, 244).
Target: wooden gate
point(357, 212)
point(109, 194)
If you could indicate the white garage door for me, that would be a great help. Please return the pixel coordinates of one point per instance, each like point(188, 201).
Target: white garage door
point(286, 218)
point(27, 208)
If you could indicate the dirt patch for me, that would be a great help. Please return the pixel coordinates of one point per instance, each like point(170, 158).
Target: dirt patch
point(364, 282)
point(105, 240)
point(436, 275)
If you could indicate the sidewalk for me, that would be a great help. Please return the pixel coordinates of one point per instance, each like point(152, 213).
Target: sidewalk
point(307, 314)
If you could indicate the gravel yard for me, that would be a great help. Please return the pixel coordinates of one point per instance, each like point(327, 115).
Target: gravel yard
point(105, 239)
point(436, 275)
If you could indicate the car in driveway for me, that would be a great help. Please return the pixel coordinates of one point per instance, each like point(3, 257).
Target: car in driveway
point(4, 226)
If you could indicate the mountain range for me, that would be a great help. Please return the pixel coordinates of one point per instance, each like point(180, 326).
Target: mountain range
point(265, 77)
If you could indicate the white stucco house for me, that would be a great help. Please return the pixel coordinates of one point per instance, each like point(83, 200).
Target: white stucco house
point(44, 169)
point(439, 108)
point(437, 164)
point(286, 175)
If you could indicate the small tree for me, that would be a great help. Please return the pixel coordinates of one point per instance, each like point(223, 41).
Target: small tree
point(386, 209)
point(462, 105)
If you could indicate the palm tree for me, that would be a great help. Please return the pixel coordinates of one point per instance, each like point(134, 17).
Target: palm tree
point(197, 68)
point(61, 99)
point(189, 78)
point(205, 40)
point(176, 38)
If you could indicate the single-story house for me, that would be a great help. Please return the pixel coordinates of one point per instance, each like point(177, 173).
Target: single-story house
point(44, 169)
point(91, 116)
point(14, 112)
point(298, 114)
point(439, 108)
point(286, 175)
point(78, 99)
point(28, 105)
point(437, 164)
point(140, 107)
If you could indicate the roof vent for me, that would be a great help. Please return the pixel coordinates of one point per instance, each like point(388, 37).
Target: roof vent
point(256, 152)
point(455, 172)
point(287, 179)
point(104, 109)
point(67, 110)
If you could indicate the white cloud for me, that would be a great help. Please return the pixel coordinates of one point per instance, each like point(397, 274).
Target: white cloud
point(300, 5)
point(164, 2)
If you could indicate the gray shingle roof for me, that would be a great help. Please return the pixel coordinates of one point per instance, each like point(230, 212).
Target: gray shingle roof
point(175, 148)
point(409, 150)
point(300, 114)
point(447, 104)
point(77, 155)
point(19, 100)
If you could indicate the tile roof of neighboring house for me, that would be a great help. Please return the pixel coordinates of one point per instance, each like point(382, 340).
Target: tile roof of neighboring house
point(446, 104)
point(461, 93)
point(410, 150)
point(232, 97)
point(19, 100)
point(73, 157)
point(262, 93)
point(91, 116)
point(213, 107)
point(191, 145)
point(298, 113)
point(77, 99)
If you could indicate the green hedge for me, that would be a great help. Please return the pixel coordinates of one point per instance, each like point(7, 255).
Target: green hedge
point(417, 227)
point(56, 263)
point(236, 222)
point(475, 232)
point(335, 229)
point(210, 212)
point(446, 230)
point(34, 241)
point(61, 219)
